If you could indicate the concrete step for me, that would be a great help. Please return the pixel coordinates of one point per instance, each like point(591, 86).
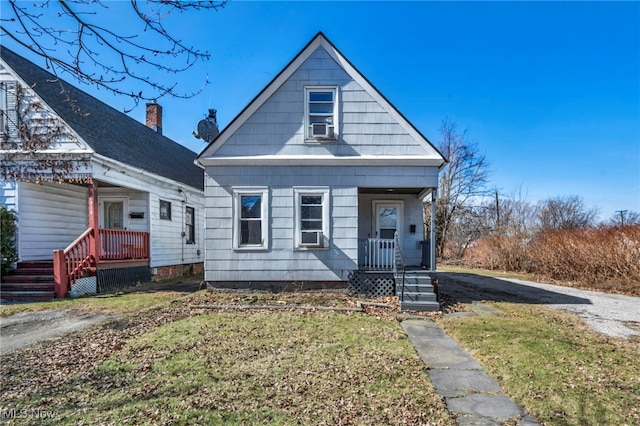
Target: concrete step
point(418, 297)
point(415, 288)
point(427, 306)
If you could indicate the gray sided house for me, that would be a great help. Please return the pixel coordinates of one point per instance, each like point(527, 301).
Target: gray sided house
point(319, 177)
point(130, 207)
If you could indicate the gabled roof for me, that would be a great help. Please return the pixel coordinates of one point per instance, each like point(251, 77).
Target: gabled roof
point(107, 131)
point(318, 41)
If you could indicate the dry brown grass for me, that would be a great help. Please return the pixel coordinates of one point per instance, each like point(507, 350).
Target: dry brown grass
point(603, 258)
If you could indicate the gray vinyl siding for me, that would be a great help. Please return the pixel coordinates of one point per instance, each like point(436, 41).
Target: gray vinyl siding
point(51, 216)
point(281, 262)
point(277, 127)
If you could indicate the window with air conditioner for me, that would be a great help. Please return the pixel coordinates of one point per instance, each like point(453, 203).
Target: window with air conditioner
point(311, 217)
point(321, 113)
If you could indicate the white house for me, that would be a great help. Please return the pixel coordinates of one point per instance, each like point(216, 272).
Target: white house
point(134, 196)
point(312, 180)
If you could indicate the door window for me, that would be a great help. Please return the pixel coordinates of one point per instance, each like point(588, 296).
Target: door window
point(114, 215)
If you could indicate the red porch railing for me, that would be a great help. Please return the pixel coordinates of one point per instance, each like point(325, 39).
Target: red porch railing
point(79, 258)
point(117, 244)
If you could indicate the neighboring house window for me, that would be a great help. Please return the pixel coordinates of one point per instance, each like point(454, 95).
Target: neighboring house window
point(250, 213)
point(189, 224)
point(165, 210)
point(321, 113)
point(311, 217)
point(8, 108)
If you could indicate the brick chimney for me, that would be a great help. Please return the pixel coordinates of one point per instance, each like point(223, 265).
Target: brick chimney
point(154, 116)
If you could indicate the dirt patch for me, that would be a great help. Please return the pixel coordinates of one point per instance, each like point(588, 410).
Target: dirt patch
point(27, 328)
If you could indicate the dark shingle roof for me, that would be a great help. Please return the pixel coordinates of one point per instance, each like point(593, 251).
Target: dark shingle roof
point(109, 132)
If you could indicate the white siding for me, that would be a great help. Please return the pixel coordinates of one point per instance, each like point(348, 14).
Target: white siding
point(281, 262)
point(168, 245)
point(50, 217)
point(277, 126)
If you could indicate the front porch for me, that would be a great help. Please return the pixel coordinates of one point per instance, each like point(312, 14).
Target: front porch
point(394, 257)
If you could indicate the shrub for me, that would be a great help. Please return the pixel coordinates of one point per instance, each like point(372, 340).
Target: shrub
point(8, 239)
point(602, 258)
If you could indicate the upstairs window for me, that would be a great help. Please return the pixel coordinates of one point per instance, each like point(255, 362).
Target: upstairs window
point(321, 115)
point(8, 110)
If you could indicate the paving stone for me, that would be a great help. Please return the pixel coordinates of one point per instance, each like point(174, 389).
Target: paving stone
point(472, 381)
point(496, 406)
point(484, 310)
point(477, 421)
point(444, 353)
point(422, 329)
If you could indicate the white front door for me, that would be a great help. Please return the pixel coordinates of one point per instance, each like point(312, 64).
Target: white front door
point(113, 213)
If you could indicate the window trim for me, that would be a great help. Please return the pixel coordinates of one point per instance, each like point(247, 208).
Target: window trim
point(263, 192)
point(298, 192)
point(190, 234)
point(166, 216)
point(336, 115)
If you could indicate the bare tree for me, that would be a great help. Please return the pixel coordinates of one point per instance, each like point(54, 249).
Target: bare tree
point(565, 212)
point(72, 37)
point(463, 181)
point(624, 218)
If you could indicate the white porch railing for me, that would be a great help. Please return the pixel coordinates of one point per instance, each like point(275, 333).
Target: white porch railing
point(379, 253)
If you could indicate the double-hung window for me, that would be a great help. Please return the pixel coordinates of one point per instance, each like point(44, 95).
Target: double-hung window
point(311, 217)
point(189, 224)
point(250, 218)
point(321, 112)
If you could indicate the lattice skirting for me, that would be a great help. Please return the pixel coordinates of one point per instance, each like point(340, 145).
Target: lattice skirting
point(371, 284)
point(112, 280)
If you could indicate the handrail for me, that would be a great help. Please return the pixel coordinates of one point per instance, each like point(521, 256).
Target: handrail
point(69, 264)
point(398, 261)
point(73, 262)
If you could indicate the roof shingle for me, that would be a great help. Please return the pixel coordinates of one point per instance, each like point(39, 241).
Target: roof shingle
point(107, 131)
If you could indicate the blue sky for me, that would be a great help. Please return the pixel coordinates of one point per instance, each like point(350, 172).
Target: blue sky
point(550, 91)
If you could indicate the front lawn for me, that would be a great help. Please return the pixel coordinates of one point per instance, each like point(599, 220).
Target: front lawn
point(557, 367)
point(178, 365)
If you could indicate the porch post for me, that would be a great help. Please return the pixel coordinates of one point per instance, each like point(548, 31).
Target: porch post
point(432, 251)
point(94, 222)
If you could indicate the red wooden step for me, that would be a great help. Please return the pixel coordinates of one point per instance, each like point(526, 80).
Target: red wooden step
point(28, 296)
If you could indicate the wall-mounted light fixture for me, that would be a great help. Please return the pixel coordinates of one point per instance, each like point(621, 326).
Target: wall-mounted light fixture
point(412, 229)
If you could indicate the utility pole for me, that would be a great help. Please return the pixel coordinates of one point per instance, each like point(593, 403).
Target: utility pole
point(622, 213)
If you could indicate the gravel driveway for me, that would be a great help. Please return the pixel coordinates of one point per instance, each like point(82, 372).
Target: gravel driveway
point(612, 314)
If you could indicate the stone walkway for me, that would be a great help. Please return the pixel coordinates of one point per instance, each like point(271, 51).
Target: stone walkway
point(470, 393)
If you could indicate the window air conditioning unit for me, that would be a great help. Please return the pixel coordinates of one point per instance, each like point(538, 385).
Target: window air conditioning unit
point(320, 130)
point(311, 239)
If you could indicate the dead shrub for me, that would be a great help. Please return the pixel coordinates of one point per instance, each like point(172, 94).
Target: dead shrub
point(602, 258)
